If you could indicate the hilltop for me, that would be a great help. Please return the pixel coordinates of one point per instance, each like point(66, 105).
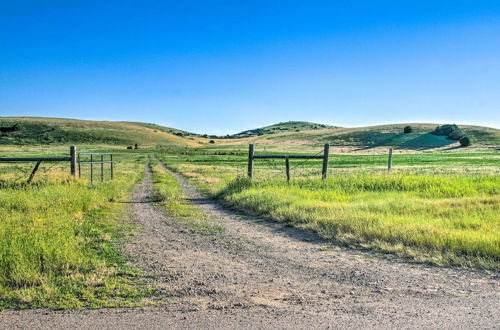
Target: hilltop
point(289, 126)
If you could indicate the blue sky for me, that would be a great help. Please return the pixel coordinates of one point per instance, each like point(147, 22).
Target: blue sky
point(224, 66)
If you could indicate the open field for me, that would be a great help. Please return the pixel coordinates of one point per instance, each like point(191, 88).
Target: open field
point(437, 207)
point(256, 273)
point(58, 236)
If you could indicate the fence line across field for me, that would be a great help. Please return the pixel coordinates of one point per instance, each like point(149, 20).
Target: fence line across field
point(325, 157)
point(252, 157)
point(39, 160)
point(74, 160)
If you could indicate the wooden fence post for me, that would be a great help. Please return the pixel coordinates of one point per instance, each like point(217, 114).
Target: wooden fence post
point(326, 154)
point(250, 160)
point(91, 169)
point(287, 165)
point(389, 164)
point(111, 159)
point(72, 155)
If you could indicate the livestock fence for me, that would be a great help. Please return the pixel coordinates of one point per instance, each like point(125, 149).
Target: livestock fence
point(323, 155)
point(252, 156)
point(38, 160)
point(74, 159)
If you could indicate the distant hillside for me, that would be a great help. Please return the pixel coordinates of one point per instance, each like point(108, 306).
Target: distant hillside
point(289, 126)
point(37, 130)
point(170, 130)
point(294, 133)
point(371, 136)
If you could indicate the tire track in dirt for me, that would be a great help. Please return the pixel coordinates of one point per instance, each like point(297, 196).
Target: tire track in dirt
point(257, 274)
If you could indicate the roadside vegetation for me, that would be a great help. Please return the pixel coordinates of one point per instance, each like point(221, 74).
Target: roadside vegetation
point(445, 219)
point(439, 208)
point(173, 200)
point(58, 240)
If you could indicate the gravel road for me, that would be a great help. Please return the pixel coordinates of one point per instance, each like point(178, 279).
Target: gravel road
point(261, 275)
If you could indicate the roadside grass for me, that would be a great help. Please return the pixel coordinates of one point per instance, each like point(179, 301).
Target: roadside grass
point(445, 220)
point(426, 213)
point(58, 242)
point(175, 202)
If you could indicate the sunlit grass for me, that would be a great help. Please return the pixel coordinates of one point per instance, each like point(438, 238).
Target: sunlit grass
point(428, 213)
point(58, 241)
point(175, 202)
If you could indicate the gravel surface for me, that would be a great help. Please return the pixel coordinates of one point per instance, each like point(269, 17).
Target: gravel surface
point(257, 274)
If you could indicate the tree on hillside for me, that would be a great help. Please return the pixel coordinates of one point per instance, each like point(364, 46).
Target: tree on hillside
point(407, 129)
point(465, 141)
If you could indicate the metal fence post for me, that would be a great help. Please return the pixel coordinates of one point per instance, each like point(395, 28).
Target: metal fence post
point(91, 169)
point(389, 164)
point(79, 167)
point(102, 168)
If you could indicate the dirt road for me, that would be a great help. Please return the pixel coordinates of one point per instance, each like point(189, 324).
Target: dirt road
point(257, 274)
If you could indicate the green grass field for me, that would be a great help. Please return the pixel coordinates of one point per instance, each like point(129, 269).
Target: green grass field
point(439, 207)
point(58, 238)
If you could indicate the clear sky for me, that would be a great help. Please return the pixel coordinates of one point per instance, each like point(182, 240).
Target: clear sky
point(222, 66)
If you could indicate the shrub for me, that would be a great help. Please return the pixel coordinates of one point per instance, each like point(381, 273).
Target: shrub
point(130, 147)
point(465, 141)
point(445, 130)
point(456, 135)
point(211, 141)
point(452, 131)
point(407, 129)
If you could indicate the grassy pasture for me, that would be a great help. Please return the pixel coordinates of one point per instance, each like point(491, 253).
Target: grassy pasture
point(437, 207)
point(58, 236)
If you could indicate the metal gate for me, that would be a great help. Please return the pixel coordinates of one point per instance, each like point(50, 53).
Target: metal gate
point(99, 160)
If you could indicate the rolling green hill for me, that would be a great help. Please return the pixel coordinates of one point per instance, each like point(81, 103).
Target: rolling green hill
point(380, 136)
point(157, 127)
point(289, 126)
point(37, 130)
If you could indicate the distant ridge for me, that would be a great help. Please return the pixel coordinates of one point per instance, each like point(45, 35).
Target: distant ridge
point(41, 130)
